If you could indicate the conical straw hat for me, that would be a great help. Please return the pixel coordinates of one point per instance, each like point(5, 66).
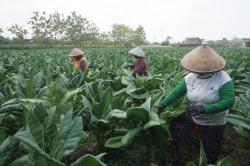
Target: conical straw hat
point(137, 52)
point(203, 59)
point(76, 52)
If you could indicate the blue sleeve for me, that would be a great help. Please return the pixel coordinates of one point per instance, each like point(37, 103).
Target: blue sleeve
point(82, 65)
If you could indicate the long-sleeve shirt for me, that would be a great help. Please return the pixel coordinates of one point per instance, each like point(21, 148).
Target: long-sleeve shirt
point(215, 93)
point(140, 67)
point(81, 64)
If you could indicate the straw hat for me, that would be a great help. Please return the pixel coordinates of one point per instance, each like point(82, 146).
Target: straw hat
point(76, 52)
point(203, 59)
point(137, 52)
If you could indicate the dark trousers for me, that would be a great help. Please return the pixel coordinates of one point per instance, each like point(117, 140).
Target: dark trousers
point(211, 137)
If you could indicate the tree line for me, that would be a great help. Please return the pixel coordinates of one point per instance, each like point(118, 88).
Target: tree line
point(73, 29)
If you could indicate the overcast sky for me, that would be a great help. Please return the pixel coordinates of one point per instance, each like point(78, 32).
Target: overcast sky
point(209, 19)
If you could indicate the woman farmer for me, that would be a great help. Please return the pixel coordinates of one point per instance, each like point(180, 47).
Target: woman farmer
point(140, 67)
point(210, 94)
point(79, 59)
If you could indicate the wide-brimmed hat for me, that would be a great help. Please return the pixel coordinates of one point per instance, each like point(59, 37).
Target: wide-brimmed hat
point(203, 59)
point(137, 52)
point(76, 52)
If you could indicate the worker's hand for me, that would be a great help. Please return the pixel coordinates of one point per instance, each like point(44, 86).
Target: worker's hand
point(125, 65)
point(195, 110)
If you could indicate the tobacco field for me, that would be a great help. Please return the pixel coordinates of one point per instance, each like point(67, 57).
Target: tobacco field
point(51, 114)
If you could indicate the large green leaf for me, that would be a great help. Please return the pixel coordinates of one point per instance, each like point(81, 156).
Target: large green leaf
point(227, 161)
point(71, 134)
point(203, 158)
point(37, 80)
point(40, 112)
point(147, 105)
point(132, 88)
point(138, 114)
point(130, 136)
point(114, 142)
point(26, 138)
point(106, 100)
point(10, 105)
point(49, 124)
point(6, 148)
point(22, 161)
point(117, 114)
point(239, 121)
point(34, 126)
point(151, 124)
point(67, 96)
point(88, 160)
point(2, 133)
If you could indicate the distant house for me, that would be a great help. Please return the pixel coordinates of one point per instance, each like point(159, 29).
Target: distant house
point(236, 42)
point(246, 42)
point(191, 42)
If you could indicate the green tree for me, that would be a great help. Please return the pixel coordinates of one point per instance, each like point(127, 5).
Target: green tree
point(92, 32)
point(105, 38)
point(166, 42)
point(122, 35)
point(56, 27)
point(19, 33)
point(140, 36)
point(40, 26)
point(79, 30)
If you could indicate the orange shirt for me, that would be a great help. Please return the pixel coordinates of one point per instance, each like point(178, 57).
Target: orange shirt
point(81, 64)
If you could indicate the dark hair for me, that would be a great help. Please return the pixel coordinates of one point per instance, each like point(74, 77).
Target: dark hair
point(79, 57)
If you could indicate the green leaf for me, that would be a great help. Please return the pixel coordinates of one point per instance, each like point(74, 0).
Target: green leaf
point(2, 134)
point(131, 88)
point(114, 142)
point(6, 148)
point(239, 121)
point(153, 164)
point(26, 138)
point(34, 126)
point(67, 96)
point(130, 136)
point(41, 112)
point(147, 105)
point(49, 124)
point(64, 79)
point(100, 156)
point(70, 135)
point(22, 161)
point(190, 163)
point(117, 114)
point(37, 80)
point(125, 81)
point(227, 161)
point(203, 158)
point(102, 124)
point(10, 105)
point(138, 114)
point(151, 124)
point(106, 100)
point(88, 160)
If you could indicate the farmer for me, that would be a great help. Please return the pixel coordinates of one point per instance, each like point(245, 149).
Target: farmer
point(79, 59)
point(210, 94)
point(140, 67)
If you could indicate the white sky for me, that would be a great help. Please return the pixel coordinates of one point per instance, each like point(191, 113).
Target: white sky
point(209, 19)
